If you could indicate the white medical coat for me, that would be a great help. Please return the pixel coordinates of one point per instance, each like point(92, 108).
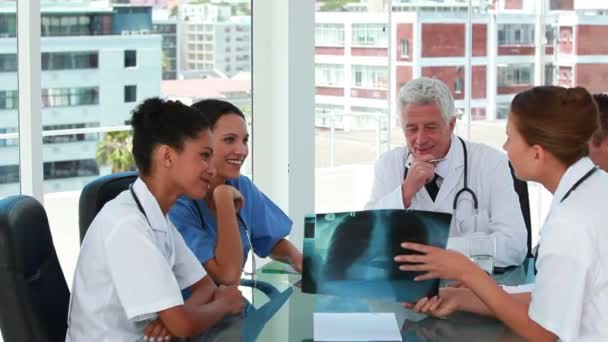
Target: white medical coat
point(128, 271)
point(570, 297)
point(488, 176)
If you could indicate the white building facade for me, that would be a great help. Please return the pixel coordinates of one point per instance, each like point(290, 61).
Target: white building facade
point(89, 80)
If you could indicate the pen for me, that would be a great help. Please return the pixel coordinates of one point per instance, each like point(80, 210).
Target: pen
point(274, 271)
point(436, 161)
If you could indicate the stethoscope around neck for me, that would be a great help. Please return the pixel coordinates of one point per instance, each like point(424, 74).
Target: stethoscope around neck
point(141, 209)
point(240, 222)
point(465, 188)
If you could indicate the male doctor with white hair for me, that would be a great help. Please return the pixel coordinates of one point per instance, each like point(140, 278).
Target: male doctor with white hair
point(429, 174)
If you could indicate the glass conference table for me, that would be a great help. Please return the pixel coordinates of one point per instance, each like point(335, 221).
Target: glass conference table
point(281, 312)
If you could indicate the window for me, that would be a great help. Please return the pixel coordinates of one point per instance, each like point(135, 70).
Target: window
point(69, 60)
point(130, 58)
point(458, 85)
point(70, 168)
point(75, 96)
point(370, 35)
point(76, 25)
point(515, 75)
point(8, 25)
point(68, 138)
point(329, 35)
point(329, 115)
point(8, 62)
point(130, 93)
point(9, 174)
point(550, 73)
point(371, 77)
point(8, 100)
point(502, 110)
point(515, 34)
point(8, 142)
point(9, 106)
point(405, 48)
point(330, 75)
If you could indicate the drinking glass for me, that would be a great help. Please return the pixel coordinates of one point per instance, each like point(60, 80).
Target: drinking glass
point(482, 251)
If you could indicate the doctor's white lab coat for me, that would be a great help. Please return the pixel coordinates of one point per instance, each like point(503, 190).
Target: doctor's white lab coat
point(489, 177)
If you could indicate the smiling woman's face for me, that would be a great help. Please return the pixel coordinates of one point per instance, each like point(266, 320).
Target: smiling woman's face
point(231, 147)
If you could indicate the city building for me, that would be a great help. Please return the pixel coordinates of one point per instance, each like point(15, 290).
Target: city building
point(236, 90)
point(213, 41)
point(357, 55)
point(204, 12)
point(97, 63)
point(168, 27)
point(151, 3)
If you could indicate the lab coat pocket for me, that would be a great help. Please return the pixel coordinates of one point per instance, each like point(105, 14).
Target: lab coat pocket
point(467, 222)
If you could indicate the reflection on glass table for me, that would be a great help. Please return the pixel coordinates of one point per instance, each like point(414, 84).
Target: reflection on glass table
point(282, 312)
point(457, 327)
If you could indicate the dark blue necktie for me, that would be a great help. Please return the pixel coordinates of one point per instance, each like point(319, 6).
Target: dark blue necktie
point(432, 187)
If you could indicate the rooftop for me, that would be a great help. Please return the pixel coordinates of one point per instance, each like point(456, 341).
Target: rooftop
point(204, 88)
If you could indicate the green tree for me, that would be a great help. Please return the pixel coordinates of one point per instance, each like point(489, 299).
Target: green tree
point(242, 9)
point(166, 63)
point(335, 5)
point(174, 12)
point(115, 149)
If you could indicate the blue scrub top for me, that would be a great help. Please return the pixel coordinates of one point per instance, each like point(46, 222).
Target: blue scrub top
point(266, 222)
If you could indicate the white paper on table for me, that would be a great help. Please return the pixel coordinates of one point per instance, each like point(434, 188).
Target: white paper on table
point(365, 326)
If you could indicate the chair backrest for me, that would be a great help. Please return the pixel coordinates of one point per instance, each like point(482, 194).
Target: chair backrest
point(97, 193)
point(521, 188)
point(34, 296)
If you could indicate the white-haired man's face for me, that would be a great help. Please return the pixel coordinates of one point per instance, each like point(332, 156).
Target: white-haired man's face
point(425, 130)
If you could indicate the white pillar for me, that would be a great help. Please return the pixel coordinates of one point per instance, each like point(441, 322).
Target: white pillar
point(283, 106)
point(30, 116)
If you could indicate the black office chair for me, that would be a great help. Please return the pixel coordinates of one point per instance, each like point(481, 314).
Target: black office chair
point(521, 188)
point(97, 193)
point(34, 296)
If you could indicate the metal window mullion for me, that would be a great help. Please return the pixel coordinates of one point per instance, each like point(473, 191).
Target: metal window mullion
point(468, 70)
point(539, 46)
point(30, 116)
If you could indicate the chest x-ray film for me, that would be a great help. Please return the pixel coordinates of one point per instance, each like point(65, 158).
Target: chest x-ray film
point(351, 253)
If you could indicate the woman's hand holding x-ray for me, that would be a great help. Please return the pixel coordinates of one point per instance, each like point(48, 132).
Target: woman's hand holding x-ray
point(446, 303)
point(436, 262)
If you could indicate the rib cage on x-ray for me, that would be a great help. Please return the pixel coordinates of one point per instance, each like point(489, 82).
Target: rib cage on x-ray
point(352, 253)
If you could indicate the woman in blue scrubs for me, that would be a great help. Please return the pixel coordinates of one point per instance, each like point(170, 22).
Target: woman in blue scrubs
point(222, 247)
